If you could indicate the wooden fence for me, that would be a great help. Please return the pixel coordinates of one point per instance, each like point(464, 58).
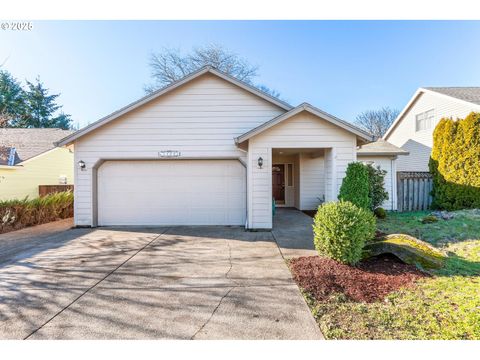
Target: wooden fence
point(51, 189)
point(413, 191)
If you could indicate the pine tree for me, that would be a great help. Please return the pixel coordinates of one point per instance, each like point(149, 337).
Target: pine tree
point(12, 106)
point(41, 109)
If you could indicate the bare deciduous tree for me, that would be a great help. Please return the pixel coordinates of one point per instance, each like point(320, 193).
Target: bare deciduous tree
point(377, 122)
point(170, 65)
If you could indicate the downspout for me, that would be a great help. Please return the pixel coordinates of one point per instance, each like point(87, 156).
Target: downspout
point(246, 194)
point(246, 186)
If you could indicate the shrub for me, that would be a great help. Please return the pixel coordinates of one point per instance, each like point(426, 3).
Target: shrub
point(380, 213)
point(355, 186)
point(455, 163)
point(376, 179)
point(16, 214)
point(341, 230)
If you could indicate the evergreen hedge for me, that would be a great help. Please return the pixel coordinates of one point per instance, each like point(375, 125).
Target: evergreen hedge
point(455, 163)
point(355, 186)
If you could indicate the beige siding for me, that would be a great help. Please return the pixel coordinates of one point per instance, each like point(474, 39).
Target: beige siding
point(386, 163)
point(312, 181)
point(200, 119)
point(419, 143)
point(303, 130)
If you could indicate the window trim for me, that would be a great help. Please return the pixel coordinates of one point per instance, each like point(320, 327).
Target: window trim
point(426, 117)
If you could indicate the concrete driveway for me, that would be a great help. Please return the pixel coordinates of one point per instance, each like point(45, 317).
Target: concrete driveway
point(162, 283)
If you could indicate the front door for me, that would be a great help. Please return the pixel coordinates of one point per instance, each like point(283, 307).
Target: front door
point(278, 183)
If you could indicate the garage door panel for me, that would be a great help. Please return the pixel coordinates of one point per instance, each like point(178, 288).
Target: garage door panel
point(176, 192)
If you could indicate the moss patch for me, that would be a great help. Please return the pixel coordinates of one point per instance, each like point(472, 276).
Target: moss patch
point(409, 249)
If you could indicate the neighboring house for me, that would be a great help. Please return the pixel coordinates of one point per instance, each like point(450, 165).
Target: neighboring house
point(413, 128)
point(29, 158)
point(210, 150)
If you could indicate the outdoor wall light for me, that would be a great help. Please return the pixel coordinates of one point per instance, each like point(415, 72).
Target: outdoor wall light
point(81, 165)
point(260, 162)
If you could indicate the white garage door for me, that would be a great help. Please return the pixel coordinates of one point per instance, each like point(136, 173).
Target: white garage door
point(171, 192)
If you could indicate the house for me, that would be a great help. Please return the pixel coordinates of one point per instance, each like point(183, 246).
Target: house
point(413, 128)
point(29, 158)
point(210, 150)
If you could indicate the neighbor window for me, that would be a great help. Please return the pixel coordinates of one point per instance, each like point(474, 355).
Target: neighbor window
point(424, 121)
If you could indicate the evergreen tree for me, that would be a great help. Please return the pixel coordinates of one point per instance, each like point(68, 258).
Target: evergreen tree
point(42, 107)
point(12, 106)
point(33, 107)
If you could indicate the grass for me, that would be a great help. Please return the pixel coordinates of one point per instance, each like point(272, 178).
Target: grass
point(444, 306)
point(465, 225)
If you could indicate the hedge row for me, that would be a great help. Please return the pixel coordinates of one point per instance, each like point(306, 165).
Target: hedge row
point(17, 214)
point(455, 163)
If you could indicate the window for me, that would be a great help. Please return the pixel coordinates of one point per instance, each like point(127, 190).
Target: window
point(290, 175)
point(424, 121)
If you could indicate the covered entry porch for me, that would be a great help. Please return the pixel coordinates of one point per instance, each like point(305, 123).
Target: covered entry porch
point(300, 177)
point(299, 158)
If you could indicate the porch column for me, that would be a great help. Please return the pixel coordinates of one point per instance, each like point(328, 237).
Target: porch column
point(260, 189)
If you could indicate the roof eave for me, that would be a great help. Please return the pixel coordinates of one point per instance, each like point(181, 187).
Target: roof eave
point(382, 153)
point(311, 109)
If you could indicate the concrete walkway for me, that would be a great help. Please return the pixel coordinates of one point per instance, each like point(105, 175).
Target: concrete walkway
point(293, 232)
point(161, 283)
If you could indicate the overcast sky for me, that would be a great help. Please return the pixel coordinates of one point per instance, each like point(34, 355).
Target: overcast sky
point(342, 67)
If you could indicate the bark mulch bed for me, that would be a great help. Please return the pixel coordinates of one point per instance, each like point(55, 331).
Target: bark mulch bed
point(369, 281)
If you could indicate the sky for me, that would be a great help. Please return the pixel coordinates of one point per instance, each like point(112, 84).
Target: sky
point(342, 67)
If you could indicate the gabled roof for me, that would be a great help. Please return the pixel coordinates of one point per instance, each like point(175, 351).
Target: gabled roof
point(167, 89)
point(28, 143)
point(380, 147)
point(470, 95)
point(312, 110)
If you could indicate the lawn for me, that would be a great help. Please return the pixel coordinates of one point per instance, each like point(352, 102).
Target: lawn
point(443, 306)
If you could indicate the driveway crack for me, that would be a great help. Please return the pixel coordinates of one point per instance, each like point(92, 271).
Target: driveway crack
point(224, 296)
point(213, 313)
point(98, 282)
point(229, 259)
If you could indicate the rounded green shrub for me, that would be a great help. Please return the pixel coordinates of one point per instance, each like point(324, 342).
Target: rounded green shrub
point(356, 186)
point(341, 230)
point(380, 213)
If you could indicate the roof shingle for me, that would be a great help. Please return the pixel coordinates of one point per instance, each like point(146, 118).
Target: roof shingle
point(29, 142)
point(470, 94)
point(380, 147)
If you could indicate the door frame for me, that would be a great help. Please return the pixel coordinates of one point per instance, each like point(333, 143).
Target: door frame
point(284, 181)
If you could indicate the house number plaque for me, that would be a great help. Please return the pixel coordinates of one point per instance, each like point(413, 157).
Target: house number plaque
point(169, 154)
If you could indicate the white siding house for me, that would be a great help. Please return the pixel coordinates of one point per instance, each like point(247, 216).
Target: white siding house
point(413, 128)
point(205, 151)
